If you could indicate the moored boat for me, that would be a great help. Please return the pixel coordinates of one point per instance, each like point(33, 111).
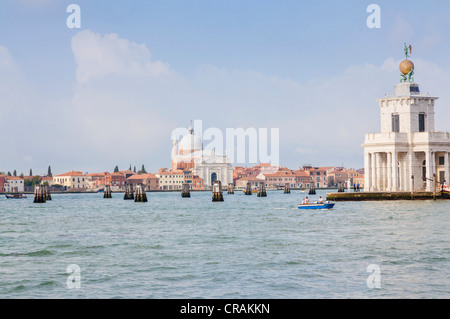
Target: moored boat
point(324, 205)
point(445, 194)
point(253, 191)
point(15, 196)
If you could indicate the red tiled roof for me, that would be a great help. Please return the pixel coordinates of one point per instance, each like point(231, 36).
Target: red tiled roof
point(72, 173)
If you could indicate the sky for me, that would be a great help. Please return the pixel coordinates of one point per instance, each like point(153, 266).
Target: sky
point(111, 92)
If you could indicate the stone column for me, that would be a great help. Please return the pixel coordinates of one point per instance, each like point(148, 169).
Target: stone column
point(389, 171)
point(447, 168)
point(433, 169)
point(367, 171)
point(379, 172)
point(395, 185)
point(374, 172)
point(429, 175)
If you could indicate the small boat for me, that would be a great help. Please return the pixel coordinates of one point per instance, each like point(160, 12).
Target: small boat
point(15, 196)
point(445, 194)
point(253, 191)
point(324, 205)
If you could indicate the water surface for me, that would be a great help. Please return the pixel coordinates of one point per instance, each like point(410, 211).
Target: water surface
point(244, 247)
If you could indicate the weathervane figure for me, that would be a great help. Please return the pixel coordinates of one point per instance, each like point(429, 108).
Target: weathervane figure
point(406, 66)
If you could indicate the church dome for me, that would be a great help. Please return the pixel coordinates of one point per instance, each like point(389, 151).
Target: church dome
point(190, 142)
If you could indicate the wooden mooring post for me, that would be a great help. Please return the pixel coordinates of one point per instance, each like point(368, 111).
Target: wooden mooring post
point(107, 192)
point(230, 188)
point(312, 189)
point(262, 190)
point(412, 187)
point(140, 195)
point(248, 189)
point(287, 188)
point(217, 192)
point(39, 194)
point(129, 193)
point(185, 191)
point(48, 196)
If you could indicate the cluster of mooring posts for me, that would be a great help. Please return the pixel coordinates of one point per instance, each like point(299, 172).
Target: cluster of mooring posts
point(262, 190)
point(185, 191)
point(41, 194)
point(107, 192)
point(128, 192)
point(217, 192)
point(140, 195)
point(287, 188)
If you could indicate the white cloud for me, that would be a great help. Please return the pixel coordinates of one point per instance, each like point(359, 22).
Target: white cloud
point(125, 105)
point(98, 56)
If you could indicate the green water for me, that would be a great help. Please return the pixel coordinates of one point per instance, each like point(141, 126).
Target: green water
point(244, 247)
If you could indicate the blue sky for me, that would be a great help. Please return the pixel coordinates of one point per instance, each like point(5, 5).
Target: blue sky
point(311, 68)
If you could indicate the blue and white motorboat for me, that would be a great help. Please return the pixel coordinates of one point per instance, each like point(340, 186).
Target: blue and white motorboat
point(316, 205)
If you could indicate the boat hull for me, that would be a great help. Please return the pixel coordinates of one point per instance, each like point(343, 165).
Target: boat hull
point(15, 196)
point(316, 206)
point(446, 194)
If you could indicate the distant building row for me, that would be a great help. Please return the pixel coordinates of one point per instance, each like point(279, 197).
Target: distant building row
point(173, 179)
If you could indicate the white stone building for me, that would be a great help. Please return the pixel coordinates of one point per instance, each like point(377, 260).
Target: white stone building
point(14, 184)
point(189, 154)
point(407, 145)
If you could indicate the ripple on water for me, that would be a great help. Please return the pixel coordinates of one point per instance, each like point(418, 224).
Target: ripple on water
point(244, 247)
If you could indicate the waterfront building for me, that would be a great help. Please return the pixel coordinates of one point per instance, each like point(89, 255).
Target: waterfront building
point(188, 154)
point(408, 144)
point(197, 183)
point(95, 180)
point(337, 176)
point(241, 183)
point(115, 180)
point(150, 181)
point(73, 180)
point(295, 179)
point(2, 183)
point(14, 184)
point(171, 179)
point(319, 175)
point(48, 180)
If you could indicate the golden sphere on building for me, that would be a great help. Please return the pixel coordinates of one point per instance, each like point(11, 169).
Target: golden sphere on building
point(406, 66)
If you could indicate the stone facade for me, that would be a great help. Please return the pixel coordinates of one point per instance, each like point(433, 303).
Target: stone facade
point(188, 154)
point(407, 146)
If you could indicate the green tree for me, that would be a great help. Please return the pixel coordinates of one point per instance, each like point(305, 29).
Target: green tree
point(21, 175)
point(9, 173)
point(15, 173)
point(116, 169)
point(49, 172)
point(31, 172)
point(134, 170)
point(142, 171)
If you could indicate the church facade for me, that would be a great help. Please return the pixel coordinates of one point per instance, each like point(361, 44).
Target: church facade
point(188, 154)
